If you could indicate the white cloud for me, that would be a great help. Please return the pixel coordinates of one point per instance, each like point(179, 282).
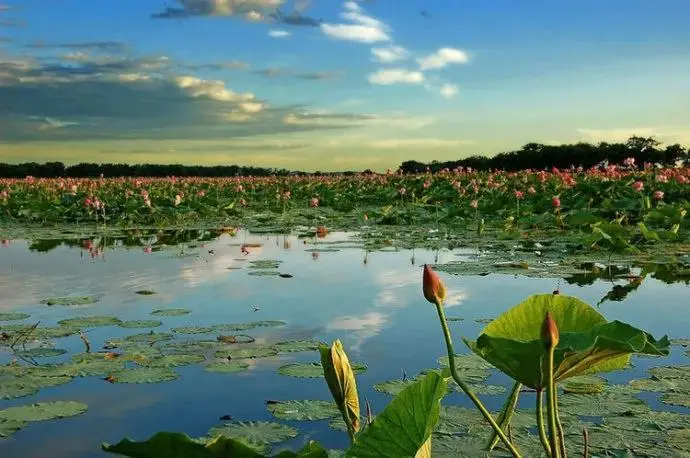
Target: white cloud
point(365, 29)
point(389, 54)
point(442, 58)
point(396, 76)
point(279, 33)
point(449, 90)
point(392, 143)
point(254, 16)
point(212, 89)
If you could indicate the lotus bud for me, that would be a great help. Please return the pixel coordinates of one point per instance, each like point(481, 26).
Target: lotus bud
point(549, 331)
point(433, 288)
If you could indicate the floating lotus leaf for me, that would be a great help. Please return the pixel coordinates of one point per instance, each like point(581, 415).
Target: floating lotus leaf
point(230, 327)
point(144, 375)
point(483, 320)
point(467, 361)
point(671, 372)
point(264, 264)
point(677, 399)
point(266, 324)
point(9, 427)
point(264, 273)
point(448, 446)
point(193, 330)
point(170, 312)
point(247, 353)
point(94, 364)
point(135, 324)
point(488, 390)
point(13, 316)
point(43, 411)
point(681, 342)
point(235, 339)
point(303, 410)
point(173, 361)
point(188, 347)
point(149, 337)
point(648, 421)
point(678, 439)
point(54, 332)
point(145, 292)
point(393, 387)
point(70, 300)
point(291, 346)
point(602, 404)
point(338, 424)
point(41, 352)
point(229, 367)
point(584, 384)
point(256, 433)
point(605, 441)
point(588, 343)
point(90, 321)
point(662, 385)
point(454, 420)
point(17, 386)
point(311, 370)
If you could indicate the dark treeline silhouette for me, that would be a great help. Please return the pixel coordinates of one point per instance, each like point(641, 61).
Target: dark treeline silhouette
point(531, 156)
point(538, 156)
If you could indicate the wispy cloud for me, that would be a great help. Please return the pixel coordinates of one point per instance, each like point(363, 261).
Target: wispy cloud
point(442, 58)
point(279, 33)
point(295, 18)
point(396, 76)
point(102, 46)
point(362, 28)
point(394, 143)
point(389, 54)
point(449, 90)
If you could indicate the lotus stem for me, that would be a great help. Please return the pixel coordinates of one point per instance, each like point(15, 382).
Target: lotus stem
point(540, 422)
point(551, 404)
point(506, 413)
point(559, 426)
point(585, 437)
point(463, 385)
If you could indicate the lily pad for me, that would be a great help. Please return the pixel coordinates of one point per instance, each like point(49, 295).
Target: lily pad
point(149, 337)
point(291, 346)
point(27, 384)
point(189, 347)
point(311, 370)
point(257, 433)
point(145, 292)
point(136, 324)
point(172, 361)
point(193, 330)
point(679, 439)
point(229, 367)
point(13, 316)
point(264, 273)
point(144, 375)
point(649, 421)
point(681, 342)
point(393, 387)
point(487, 390)
point(266, 324)
point(41, 352)
point(94, 364)
point(602, 404)
point(303, 410)
point(662, 385)
point(265, 264)
point(584, 384)
point(70, 300)
point(90, 322)
point(9, 427)
point(247, 353)
point(170, 312)
point(55, 332)
point(671, 372)
point(677, 399)
point(43, 411)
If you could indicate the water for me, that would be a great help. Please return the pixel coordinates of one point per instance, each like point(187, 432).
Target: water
point(375, 308)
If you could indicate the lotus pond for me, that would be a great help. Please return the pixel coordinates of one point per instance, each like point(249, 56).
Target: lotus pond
point(127, 333)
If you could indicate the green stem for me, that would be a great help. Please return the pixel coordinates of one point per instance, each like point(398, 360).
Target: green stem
point(540, 422)
point(465, 388)
point(559, 426)
point(506, 413)
point(551, 405)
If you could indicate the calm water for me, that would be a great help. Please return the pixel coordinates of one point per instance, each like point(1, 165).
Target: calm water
point(376, 308)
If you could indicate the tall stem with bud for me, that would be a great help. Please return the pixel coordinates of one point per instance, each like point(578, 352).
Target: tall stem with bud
point(550, 336)
point(435, 291)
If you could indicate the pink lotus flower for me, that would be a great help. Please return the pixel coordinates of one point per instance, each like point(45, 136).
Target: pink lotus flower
point(200, 193)
point(531, 190)
point(519, 194)
point(314, 202)
point(474, 204)
point(556, 202)
point(243, 202)
point(148, 249)
point(658, 195)
point(402, 191)
point(638, 186)
point(630, 162)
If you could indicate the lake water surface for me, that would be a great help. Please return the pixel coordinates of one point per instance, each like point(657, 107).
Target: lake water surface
point(375, 307)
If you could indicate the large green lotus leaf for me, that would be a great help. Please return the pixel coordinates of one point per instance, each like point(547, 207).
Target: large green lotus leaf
point(588, 344)
point(189, 347)
point(679, 439)
point(292, 346)
point(94, 364)
point(172, 361)
point(303, 410)
point(311, 370)
point(17, 386)
point(136, 324)
point(41, 352)
point(254, 432)
point(677, 399)
point(228, 367)
point(9, 427)
point(54, 332)
point(608, 442)
point(70, 300)
point(601, 405)
point(193, 330)
point(176, 445)
point(144, 375)
point(13, 316)
point(90, 321)
point(247, 353)
point(149, 337)
point(170, 312)
point(648, 421)
point(43, 411)
point(675, 372)
point(409, 418)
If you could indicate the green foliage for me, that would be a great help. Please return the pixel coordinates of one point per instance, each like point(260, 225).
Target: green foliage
point(43, 411)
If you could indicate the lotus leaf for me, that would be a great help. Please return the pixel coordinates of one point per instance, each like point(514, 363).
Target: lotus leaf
point(648, 421)
point(144, 375)
point(94, 364)
point(13, 316)
point(291, 346)
point(247, 353)
point(662, 385)
point(43, 411)
point(266, 324)
point(54, 332)
point(26, 384)
point(188, 347)
point(588, 343)
point(311, 370)
point(228, 367)
point(605, 441)
point(145, 292)
point(256, 433)
point(303, 410)
point(679, 439)
point(409, 418)
point(149, 337)
point(672, 372)
point(41, 352)
point(135, 324)
point(601, 404)
point(233, 327)
point(170, 312)
point(265, 264)
point(172, 360)
point(9, 427)
point(677, 399)
point(90, 321)
point(70, 300)
point(264, 273)
point(193, 330)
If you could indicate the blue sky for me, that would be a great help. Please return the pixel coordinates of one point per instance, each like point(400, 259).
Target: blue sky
point(325, 84)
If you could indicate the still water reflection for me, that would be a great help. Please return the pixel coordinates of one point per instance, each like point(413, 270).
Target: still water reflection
point(371, 301)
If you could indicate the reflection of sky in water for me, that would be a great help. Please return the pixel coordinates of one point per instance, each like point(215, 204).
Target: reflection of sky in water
point(376, 309)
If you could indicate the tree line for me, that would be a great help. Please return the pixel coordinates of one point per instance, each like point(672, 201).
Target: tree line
point(530, 156)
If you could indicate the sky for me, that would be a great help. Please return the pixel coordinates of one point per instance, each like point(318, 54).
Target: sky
point(333, 85)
